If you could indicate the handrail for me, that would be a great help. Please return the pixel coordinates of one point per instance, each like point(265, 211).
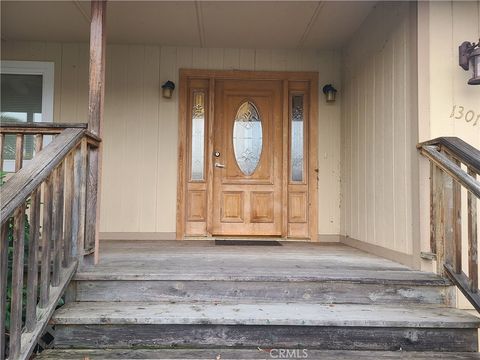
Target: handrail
point(39, 130)
point(447, 155)
point(16, 190)
point(55, 189)
point(452, 169)
point(10, 127)
point(458, 149)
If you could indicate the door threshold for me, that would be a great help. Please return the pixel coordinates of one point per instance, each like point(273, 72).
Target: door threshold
point(237, 242)
point(247, 238)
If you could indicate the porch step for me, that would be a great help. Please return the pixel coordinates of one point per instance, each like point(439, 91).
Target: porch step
point(312, 326)
point(238, 354)
point(325, 292)
point(359, 287)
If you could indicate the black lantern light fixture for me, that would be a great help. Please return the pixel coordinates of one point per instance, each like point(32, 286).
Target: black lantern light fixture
point(167, 89)
point(469, 56)
point(330, 93)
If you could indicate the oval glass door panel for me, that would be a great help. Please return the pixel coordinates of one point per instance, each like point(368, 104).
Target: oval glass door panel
point(247, 138)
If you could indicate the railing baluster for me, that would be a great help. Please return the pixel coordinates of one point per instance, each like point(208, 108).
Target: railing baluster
point(439, 200)
point(32, 279)
point(76, 203)
point(3, 286)
point(2, 142)
point(457, 225)
point(46, 237)
point(33, 248)
point(69, 199)
point(38, 143)
point(453, 224)
point(17, 283)
point(57, 223)
point(19, 152)
point(80, 180)
point(433, 210)
point(449, 218)
point(472, 237)
point(92, 198)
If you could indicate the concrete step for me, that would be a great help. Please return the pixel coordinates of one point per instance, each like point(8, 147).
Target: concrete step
point(244, 354)
point(385, 287)
point(285, 325)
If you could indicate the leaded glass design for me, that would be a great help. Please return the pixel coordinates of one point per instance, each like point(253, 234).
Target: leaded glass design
point(296, 150)
point(198, 135)
point(247, 138)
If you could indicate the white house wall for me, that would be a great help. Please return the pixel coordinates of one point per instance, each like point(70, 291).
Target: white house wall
point(379, 133)
point(140, 129)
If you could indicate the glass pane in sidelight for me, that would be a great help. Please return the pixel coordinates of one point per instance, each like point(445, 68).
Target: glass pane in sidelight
point(296, 150)
point(198, 136)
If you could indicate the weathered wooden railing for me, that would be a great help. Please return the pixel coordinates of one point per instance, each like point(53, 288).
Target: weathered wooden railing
point(52, 192)
point(453, 164)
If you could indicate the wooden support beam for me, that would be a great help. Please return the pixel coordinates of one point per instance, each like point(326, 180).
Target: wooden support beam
point(95, 114)
point(97, 66)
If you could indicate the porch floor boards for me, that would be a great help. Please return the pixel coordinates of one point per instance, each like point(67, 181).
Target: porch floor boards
point(203, 260)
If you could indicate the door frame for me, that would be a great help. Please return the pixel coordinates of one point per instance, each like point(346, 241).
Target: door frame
point(287, 77)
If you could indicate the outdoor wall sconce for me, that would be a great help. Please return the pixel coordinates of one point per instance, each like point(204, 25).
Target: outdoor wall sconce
point(167, 89)
point(330, 93)
point(469, 55)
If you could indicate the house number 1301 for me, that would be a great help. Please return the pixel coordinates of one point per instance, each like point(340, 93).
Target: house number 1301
point(458, 112)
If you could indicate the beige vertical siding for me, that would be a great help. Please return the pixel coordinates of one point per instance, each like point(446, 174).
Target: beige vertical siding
point(379, 131)
point(451, 23)
point(140, 131)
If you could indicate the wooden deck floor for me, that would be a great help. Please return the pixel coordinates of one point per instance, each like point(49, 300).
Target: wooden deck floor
point(203, 260)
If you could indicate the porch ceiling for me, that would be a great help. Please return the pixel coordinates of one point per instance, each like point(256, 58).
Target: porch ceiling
point(239, 24)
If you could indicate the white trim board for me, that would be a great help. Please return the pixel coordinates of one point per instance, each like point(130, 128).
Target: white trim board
point(399, 257)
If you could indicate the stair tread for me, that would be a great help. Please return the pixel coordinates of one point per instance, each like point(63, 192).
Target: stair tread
point(224, 274)
point(236, 354)
point(290, 314)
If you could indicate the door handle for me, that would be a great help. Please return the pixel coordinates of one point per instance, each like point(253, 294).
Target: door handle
point(219, 165)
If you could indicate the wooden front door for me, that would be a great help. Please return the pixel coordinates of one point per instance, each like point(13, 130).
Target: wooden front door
point(247, 158)
point(247, 154)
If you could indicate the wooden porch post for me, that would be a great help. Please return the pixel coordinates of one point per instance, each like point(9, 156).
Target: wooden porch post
point(95, 121)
